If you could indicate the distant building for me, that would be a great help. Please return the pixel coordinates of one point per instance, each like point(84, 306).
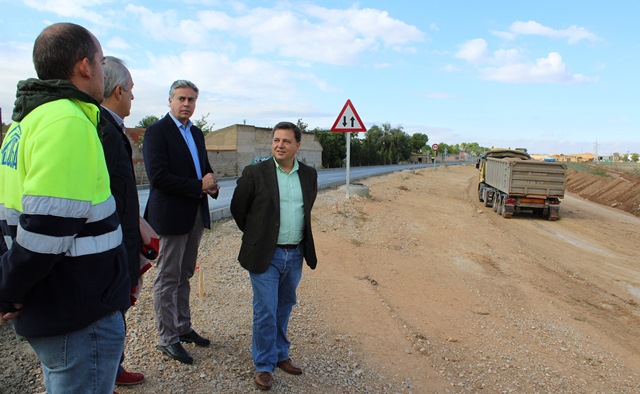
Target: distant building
point(571, 158)
point(232, 148)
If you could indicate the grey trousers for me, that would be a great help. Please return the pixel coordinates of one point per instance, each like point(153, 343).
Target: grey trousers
point(171, 290)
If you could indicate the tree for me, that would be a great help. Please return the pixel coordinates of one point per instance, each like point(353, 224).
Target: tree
point(419, 141)
point(147, 121)
point(302, 126)
point(334, 148)
point(203, 125)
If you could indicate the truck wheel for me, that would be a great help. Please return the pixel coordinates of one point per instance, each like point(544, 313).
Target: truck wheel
point(485, 197)
point(545, 213)
point(480, 193)
point(496, 201)
point(554, 214)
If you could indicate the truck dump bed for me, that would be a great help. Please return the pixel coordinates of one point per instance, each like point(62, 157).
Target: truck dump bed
point(530, 178)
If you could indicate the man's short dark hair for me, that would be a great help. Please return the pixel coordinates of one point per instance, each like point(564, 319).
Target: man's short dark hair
point(288, 126)
point(59, 47)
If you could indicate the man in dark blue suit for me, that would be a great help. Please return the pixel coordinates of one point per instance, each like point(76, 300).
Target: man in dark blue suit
point(181, 180)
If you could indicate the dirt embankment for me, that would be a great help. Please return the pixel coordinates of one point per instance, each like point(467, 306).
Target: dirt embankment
point(620, 190)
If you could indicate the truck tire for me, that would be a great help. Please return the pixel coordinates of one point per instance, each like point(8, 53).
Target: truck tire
point(554, 214)
point(485, 197)
point(545, 213)
point(480, 193)
point(496, 201)
point(504, 212)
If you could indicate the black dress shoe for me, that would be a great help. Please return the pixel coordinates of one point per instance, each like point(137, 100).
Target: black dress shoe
point(193, 337)
point(176, 352)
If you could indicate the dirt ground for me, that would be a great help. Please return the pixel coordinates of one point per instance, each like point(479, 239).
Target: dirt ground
point(438, 288)
point(438, 294)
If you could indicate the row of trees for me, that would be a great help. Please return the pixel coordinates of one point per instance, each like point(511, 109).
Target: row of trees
point(382, 144)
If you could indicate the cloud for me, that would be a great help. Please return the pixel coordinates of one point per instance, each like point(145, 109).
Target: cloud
point(473, 51)
point(16, 65)
point(231, 89)
point(70, 8)
point(117, 43)
point(449, 68)
point(572, 34)
point(550, 69)
point(504, 34)
point(308, 33)
point(509, 65)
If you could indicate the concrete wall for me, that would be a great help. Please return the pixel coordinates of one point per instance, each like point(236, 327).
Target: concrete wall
point(252, 144)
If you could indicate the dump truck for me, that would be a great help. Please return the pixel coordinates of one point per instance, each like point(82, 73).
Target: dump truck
point(511, 181)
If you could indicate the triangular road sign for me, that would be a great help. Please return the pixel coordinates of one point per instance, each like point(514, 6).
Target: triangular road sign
point(348, 120)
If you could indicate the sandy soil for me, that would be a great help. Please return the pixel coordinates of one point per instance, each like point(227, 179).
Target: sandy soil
point(429, 292)
point(440, 289)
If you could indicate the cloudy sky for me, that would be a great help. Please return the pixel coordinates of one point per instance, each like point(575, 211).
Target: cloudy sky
point(551, 76)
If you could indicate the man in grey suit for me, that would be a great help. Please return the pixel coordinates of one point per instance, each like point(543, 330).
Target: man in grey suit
point(272, 206)
point(181, 181)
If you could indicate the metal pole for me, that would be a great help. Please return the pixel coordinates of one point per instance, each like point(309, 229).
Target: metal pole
point(346, 188)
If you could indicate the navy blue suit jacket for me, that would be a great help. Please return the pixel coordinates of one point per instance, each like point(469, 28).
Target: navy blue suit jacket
point(176, 192)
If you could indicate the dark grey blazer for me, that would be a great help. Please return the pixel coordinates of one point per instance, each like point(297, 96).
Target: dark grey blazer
point(117, 153)
point(255, 207)
point(176, 191)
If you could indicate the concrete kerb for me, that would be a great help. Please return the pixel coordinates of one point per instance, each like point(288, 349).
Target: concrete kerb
point(357, 189)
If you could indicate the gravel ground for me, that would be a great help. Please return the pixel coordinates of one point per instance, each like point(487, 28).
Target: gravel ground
point(221, 311)
point(419, 289)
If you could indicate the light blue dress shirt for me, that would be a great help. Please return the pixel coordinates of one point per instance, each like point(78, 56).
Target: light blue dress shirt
point(185, 130)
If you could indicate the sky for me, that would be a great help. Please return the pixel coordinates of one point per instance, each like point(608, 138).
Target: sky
point(550, 76)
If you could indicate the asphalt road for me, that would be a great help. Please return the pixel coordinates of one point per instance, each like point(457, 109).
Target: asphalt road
point(332, 177)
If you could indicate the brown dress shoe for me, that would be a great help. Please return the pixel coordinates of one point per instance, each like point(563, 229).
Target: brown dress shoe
point(263, 381)
point(289, 367)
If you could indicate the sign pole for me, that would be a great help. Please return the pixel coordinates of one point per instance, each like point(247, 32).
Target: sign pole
point(348, 135)
point(435, 155)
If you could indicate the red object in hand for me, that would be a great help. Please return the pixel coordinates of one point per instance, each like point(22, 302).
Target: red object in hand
point(150, 250)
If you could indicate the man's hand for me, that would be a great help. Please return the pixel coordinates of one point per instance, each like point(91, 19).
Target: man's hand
point(6, 316)
point(214, 190)
point(209, 182)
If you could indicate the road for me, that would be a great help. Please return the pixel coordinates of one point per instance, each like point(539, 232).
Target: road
point(328, 178)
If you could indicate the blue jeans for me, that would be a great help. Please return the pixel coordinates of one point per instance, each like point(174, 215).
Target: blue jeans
point(83, 361)
point(274, 295)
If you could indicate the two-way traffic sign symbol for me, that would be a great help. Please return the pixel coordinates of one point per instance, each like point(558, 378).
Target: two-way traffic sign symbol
point(348, 120)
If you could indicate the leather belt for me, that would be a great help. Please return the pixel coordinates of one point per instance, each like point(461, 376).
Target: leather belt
point(288, 246)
